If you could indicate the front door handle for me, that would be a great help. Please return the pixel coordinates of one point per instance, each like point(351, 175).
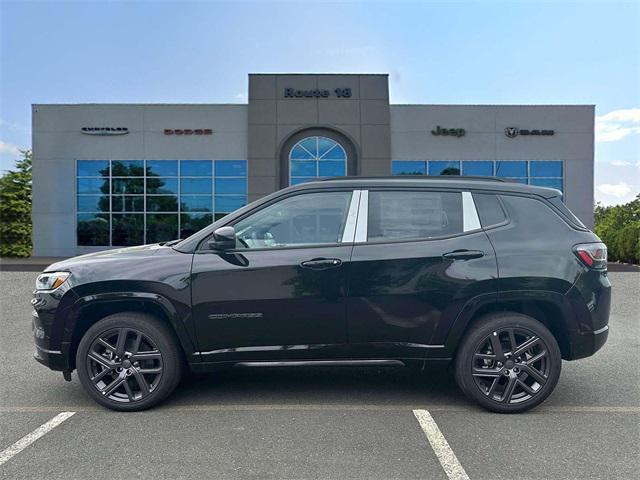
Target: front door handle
point(322, 263)
point(463, 254)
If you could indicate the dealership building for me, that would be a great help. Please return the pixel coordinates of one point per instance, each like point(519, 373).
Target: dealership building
point(113, 175)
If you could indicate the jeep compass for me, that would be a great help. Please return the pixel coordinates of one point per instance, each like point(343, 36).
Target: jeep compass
point(497, 279)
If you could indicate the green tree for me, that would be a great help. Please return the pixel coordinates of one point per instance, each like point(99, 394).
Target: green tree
point(619, 228)
point(15, 209)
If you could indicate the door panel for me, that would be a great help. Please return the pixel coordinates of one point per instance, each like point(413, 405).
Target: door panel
point(267, 299)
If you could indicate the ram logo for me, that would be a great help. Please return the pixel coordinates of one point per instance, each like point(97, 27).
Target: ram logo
point(511, 132)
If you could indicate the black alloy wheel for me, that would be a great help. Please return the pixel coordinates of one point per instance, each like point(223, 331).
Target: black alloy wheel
point(125, 365)
point(511, 365)
point(508, 362)
point(129, 361)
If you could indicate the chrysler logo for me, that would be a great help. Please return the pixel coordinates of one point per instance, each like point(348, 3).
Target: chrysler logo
point(105, 130)
point(513, 132)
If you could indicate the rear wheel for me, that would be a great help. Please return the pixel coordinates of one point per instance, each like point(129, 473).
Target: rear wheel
point(508, 362)
point(128, 361)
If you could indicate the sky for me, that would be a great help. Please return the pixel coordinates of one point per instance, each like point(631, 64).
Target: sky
point(457, 52)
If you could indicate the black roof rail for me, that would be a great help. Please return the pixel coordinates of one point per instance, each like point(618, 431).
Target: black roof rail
point(423, 177)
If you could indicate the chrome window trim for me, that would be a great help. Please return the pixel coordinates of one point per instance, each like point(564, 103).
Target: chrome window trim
point(470, 219)
point(349, 232)
point(363, 218)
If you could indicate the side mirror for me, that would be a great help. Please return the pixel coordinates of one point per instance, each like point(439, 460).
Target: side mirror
point(224, 238)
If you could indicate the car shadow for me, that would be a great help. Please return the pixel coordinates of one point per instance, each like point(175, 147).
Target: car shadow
point(303, 386)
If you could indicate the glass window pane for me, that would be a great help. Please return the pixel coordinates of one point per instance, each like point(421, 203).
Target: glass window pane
point(413, 215)
point(331, 168)
point(92, 230)
point(93, 185)
point(479, 168)
point(547, 182)
point(93, 168)
point(127, 203)
point(303, 168)
point(231, 168)
point(229, 203)
point(489, 209)
point(299, 153)
point(231, 185)
point(128, 229)
point(92, 203)
point(298, 180)
point(127, 168)
point(161, 227)
point(310, 145)
point(201, 203)
point(162, 186)
point(218, 216)
point(545, 169)
point(196, 185)
point(162, 203)
point(191, 223)
point(127, 186)
point(336, 153)
point(408, 167)
point(511, 169)
point(196, 168)
point(162, 168)
point(325, 145)
point(444, 168)
point(314, 218)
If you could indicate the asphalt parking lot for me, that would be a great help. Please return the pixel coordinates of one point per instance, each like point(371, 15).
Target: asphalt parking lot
point(322, 423)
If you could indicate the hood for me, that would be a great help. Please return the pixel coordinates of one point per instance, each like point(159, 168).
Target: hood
point(106, 256)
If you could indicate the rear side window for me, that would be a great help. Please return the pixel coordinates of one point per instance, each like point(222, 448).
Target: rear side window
point(557, 202)
point(489, 209)
point(414, 215)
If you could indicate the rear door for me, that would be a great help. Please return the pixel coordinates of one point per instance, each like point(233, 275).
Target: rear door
point(419, 256)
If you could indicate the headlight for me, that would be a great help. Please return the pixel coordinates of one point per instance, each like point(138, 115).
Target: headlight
point(51, 280)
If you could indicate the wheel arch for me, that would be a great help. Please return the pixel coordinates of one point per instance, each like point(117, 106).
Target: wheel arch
point(90, 309)
point(549, 308)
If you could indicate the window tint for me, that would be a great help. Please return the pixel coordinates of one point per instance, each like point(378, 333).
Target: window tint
point(407, 215)
point(315, 218)
point(489, 209)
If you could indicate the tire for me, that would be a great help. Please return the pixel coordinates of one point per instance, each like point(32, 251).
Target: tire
point(129, 361)
point(488, 373)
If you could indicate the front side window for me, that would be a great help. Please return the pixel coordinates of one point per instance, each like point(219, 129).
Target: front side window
point(308, 219)
point(414, 214)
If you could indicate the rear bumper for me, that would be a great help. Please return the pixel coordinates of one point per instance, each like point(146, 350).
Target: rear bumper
point(585, 344)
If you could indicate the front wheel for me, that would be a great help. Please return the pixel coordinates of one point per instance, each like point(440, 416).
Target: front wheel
point(508, 362)
point(128, 361)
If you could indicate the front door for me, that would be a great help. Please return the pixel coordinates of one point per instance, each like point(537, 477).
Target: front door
point(281, 293)
point(423, 258)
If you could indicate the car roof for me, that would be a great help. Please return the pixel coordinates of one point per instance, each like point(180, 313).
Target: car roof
point(493, 184)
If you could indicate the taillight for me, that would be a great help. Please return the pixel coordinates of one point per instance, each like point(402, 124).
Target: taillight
point(593, 255)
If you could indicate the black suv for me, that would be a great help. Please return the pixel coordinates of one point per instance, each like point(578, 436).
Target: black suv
point(498, 279)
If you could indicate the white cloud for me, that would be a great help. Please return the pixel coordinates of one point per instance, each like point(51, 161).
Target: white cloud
point(620, 163)
point(7, 148)
point(618, 124)
point(241, 96)
point(617, 190)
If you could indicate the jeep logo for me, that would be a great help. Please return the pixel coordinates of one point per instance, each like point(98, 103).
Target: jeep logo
point(513, 132)
point(452, 132)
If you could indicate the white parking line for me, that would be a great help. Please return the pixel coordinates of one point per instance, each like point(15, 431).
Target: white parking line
point(28, 439)
point(440, 446)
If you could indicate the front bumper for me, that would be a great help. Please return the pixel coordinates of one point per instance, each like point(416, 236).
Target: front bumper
point(54, 359)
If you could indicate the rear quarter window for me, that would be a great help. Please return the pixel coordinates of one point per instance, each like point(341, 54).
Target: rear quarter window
point(489, 209)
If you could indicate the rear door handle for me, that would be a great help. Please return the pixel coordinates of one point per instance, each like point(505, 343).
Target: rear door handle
point(463, 254)
point(321, 263)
